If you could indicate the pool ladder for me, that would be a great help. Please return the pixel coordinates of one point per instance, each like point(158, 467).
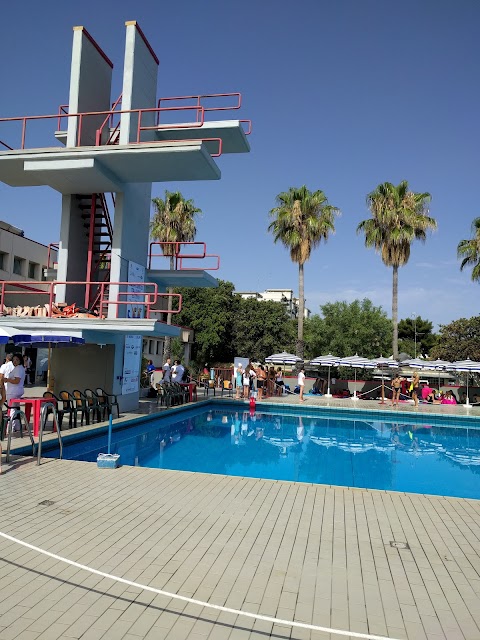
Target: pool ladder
point(20, 416)
point(43, 422)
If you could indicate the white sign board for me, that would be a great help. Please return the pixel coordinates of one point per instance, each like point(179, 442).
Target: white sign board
point(136, 295)
point(132, 357)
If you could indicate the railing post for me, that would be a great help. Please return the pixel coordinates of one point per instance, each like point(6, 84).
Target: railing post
point(24, 127)
point(139, 124)
point(50, 299)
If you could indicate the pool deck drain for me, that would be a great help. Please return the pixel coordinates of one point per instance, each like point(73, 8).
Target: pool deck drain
point(313, 553)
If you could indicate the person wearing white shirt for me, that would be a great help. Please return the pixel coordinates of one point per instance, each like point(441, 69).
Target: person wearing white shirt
point(14, 382)
point(6, 368)
point(301, 382)
point(177, 371)
point(167, 371)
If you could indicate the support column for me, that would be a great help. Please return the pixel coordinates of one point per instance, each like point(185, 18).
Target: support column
point(132, 207)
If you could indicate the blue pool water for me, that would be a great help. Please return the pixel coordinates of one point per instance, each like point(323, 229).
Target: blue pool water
point(323, 447)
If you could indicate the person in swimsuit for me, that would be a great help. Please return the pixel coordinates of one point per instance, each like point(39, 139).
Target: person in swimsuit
point(396, 386)
point(416, 390)
point(279, 382)
point(261, 378)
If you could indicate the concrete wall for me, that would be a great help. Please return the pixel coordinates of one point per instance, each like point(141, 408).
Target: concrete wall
point(90, 88)
point(73, 252)
point(87, 366)
point(132, 206)
point(139, 85)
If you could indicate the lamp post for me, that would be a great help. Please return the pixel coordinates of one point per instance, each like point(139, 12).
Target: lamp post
point(414, 318)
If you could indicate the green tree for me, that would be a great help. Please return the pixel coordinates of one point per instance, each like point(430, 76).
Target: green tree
point(469, 251)
point(399, 217)
point(173, 221)
point(458, 340)
point(416, 336)
point(344, 329)
point(209, 312)
point(301, 220)
point(261, 328)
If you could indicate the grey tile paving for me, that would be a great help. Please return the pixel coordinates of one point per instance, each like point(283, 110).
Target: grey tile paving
point(315, 553)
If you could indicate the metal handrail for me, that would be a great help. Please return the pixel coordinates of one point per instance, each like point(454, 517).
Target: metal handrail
point(43, 421)
point(17, 414)
point(174, 249)
point(141, 297)
point(140, 112)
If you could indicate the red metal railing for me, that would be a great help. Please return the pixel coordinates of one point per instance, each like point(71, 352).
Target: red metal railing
point(62, 111)
point(175, 249)
point(53, 246)
point(203, 97)
point(145, 299)
point(139, 112)
point(109, 119)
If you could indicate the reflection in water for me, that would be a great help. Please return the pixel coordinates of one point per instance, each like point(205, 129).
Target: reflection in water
point(321, 450)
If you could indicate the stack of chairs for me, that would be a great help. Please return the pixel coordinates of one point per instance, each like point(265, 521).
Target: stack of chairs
point(87, 405)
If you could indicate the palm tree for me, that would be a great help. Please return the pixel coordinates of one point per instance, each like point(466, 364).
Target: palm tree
point(399, 217)
point(301, 220)
point(173, 221)
point(469, 251)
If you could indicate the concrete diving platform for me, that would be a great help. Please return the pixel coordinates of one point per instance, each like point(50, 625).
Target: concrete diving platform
point(107, 168)
point(231, 132)
point(164, 278)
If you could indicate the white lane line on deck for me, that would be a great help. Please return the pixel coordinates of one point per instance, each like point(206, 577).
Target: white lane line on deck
point(256, 616)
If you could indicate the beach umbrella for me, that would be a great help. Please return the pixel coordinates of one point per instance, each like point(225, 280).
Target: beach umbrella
point(414, 363)
point(8, 334)
point(382, 364)
point(356, 362)
point(283, 358)
point(326, 361)
point(466, 366)
point(439, 366)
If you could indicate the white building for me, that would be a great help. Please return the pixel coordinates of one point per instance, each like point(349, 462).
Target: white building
point(284, 296)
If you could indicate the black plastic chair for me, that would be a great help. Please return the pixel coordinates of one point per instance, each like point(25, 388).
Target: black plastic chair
point(82, 406)
point(60, 406)
point(182, 392)
point(68, 407)
point(94, 403)
point(111, 400)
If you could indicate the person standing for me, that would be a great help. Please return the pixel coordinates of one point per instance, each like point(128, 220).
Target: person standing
point(177, 371)
point(238, 380)
point(246, 383)
point(279, 382)
point(15, 382)
point(396, 386)
point(167, 370)
point(7, 366)
point(416, 389)
point(27, 365)
point(261, 381)
point(301, 383)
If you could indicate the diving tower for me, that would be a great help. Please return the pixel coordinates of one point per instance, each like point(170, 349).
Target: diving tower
point(95, 148)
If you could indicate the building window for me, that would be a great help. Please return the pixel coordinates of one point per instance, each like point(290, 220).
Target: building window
point(18, 265)
point(42, 274)
point(3, 260)
point(150, 347)
point(32, 270)
point(159, 347)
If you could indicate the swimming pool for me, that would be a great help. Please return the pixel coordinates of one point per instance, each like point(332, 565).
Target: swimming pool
point(418, 454)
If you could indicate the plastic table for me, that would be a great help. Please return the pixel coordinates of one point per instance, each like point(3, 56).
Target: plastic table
point(32, 404)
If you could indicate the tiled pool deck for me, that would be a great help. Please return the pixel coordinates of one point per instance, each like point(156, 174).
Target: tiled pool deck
point(312, 553)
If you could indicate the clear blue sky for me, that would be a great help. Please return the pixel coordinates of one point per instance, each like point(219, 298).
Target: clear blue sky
point(343, 95)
